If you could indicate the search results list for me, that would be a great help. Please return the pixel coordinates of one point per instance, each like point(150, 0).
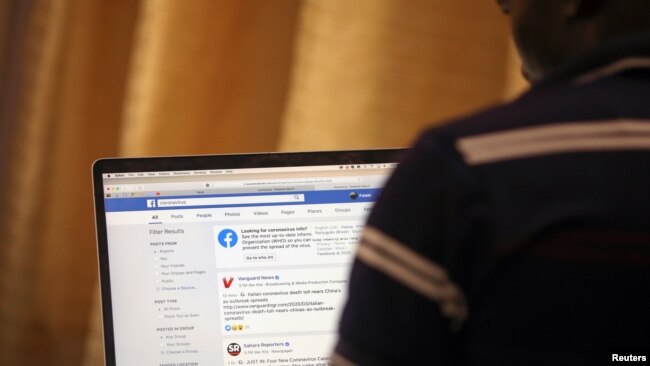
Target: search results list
point(231, 286)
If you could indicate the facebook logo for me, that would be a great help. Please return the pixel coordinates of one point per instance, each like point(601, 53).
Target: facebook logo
point(227, 238)
point(151, 203)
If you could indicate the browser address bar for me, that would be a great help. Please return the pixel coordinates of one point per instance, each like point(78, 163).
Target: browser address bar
point(233, 200)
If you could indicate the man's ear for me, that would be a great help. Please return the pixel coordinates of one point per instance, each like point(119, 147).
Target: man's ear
point(581, 9)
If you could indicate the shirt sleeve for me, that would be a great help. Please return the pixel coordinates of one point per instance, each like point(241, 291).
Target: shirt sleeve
point(404, 300)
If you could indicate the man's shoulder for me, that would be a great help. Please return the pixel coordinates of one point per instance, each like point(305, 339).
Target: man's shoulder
point(613, 98)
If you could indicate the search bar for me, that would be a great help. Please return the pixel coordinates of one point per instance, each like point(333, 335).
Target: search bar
point(233, 200)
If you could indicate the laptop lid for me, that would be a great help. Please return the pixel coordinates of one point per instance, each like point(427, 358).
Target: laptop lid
point(230, 259)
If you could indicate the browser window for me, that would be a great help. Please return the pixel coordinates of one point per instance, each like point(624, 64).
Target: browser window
point(236, 267)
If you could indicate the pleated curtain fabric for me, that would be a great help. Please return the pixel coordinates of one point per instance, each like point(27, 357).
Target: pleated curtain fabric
point(67, 99)
point(84, 79)
point(373, 73)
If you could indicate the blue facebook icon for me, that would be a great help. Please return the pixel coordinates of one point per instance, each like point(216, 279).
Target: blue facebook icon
point(227, 238)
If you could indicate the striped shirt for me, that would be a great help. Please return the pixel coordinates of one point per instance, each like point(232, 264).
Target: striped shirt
point(519, 235)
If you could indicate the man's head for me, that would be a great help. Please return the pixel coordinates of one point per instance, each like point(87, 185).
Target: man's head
point(548, 32)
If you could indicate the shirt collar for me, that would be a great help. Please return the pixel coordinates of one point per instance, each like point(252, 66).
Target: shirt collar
point(622, 54)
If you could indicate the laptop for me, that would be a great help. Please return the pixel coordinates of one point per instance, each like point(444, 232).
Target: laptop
point(230, 259)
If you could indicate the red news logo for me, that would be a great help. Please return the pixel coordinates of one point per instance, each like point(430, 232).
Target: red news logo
point(227, 281)
point(233, 349)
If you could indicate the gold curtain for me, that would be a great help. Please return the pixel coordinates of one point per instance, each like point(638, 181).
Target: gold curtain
point(92, 78)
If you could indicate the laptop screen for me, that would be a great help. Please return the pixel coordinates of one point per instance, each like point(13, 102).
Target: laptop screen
point(243, 266)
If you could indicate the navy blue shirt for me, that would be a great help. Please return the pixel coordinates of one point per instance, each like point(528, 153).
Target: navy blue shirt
point(520, 235)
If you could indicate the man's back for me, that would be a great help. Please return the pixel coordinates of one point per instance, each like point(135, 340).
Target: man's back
point(520, 235)
point(565, 180)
